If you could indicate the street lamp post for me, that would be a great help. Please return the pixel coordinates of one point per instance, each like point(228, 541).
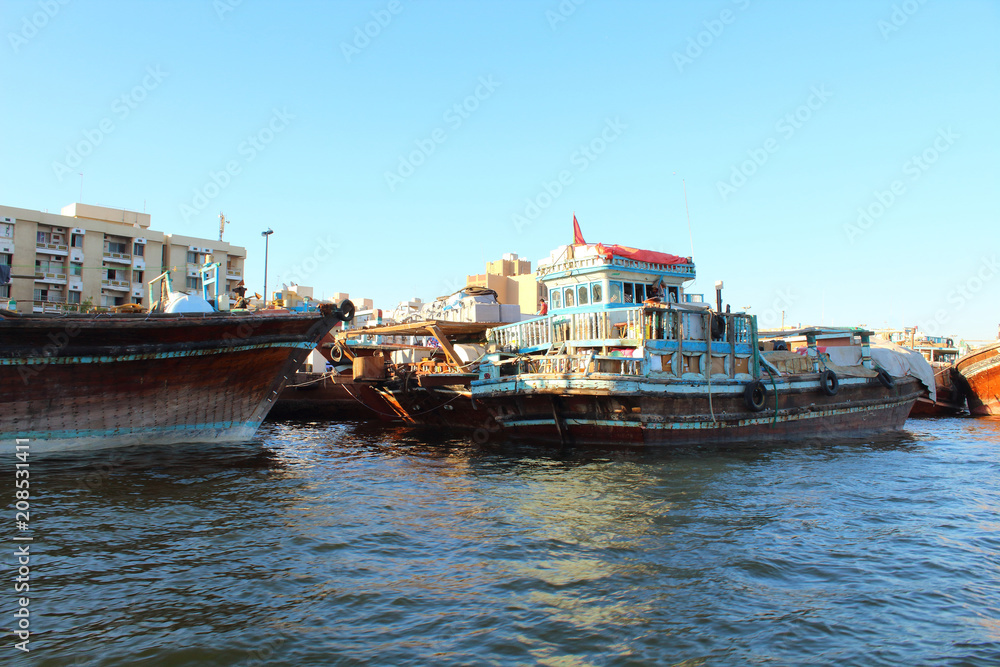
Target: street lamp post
point(266, 236)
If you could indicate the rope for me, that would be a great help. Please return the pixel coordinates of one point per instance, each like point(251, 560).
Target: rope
point(774, 388)
point(324, 376)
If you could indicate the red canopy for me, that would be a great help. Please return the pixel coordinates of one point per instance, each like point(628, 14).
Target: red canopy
point(639, 255)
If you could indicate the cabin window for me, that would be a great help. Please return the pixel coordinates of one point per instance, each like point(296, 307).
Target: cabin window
point(570, 301)
point(556, 297)
point(583, 294)
point(672, 294)
point(616, 292)
point(640, 292)
point(629, 292)
point(596, 293)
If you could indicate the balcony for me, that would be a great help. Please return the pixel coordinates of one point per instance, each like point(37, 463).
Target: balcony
point(52, 248)
point(51, 304)
point(118, 257)
point(50, 277)
point(118, 285)
point(236, 274)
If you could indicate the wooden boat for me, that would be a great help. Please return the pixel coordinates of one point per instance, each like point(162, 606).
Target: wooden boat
point(87, 381)
point(979, 372)
point(941, 353)
point(419, 385)
point(625, 356)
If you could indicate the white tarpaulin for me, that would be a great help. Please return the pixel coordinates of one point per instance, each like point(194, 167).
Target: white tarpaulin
point(897, 361)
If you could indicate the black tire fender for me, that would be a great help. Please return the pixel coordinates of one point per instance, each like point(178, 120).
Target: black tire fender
point(755, 395)
point(345, 313)
point(829, 383)
point(885, 379)
point(718, 326)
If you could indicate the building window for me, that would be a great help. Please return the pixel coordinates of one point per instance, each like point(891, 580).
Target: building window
point(192, 283)
point(137, 276)
point(75, 269)
point(41, 295)
point(44, 237)
point(116, 247)
point(138, 249)
point(4, 258)
point(4, 292)
point(193, 258)
point(77, 240)
point(598, 295)
point(74, 297)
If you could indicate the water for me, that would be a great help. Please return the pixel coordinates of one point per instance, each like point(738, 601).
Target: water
point(351, 544)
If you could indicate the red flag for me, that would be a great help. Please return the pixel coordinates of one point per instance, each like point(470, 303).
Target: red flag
point(577, 234)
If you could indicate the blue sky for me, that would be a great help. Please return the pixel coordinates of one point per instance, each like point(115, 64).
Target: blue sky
point(839, 157)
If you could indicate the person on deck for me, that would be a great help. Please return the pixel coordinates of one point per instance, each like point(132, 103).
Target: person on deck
point(543, 308)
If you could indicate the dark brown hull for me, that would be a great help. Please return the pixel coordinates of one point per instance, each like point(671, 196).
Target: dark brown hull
point(317, 396)
point(950, 397)
point(980, 370)
point(642, 413)
point(86, 381)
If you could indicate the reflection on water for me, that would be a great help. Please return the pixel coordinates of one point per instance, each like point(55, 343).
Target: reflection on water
point(327, 543)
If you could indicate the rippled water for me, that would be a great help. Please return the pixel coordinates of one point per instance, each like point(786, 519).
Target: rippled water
point(352, 544)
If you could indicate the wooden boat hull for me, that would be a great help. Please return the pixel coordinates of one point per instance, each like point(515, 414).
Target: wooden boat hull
point(313, 396)
point(87, 382)
point(950, 397)
point(980, 372)
point(665, 413)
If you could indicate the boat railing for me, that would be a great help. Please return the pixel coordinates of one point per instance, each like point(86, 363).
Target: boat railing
point(621, 262)
point(620, 326)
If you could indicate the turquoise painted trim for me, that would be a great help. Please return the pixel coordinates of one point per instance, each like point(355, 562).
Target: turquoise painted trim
point(592, 308)
point(719, 424)
point(107, 359)
point(68, 434)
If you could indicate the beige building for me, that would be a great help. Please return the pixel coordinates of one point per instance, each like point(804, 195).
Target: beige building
point(513, 281)
point(97, 256)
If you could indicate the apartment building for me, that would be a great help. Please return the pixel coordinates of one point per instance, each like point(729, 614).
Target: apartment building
point(513, 281)
point(96, 256)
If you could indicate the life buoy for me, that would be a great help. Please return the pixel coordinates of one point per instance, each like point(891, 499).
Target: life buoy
point(755, 395)
point(829, 383)
point(345, 313)
point(885, 379)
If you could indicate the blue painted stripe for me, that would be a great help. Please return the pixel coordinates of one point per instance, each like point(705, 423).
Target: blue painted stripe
point(71, 434)
point(106, 359)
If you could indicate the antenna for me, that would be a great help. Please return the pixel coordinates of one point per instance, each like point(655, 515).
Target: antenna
point(222, 223)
